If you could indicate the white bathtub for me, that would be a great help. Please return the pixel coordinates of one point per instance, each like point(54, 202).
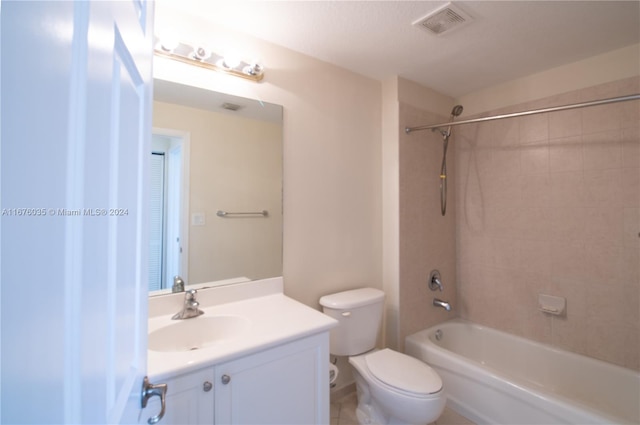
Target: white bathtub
point(493, 377)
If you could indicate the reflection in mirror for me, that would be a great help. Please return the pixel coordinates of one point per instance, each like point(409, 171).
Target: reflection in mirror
point(214, 154)
point(169, 174)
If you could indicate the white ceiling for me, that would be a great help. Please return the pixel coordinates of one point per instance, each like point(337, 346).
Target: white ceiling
point(208, 100)
point(506, 40)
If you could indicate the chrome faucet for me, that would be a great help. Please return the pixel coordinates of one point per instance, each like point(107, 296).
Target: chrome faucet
point(178, 284)
point(190, 308)
point(439, 303)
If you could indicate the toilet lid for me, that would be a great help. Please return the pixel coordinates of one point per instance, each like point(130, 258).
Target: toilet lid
point(403, 372)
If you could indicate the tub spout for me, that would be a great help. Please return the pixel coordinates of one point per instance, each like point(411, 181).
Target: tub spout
point(439, 303)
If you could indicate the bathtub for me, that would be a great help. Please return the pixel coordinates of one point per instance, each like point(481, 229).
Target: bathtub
point(492, 377)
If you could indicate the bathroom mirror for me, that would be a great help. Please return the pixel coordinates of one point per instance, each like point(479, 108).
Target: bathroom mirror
point(216, 165)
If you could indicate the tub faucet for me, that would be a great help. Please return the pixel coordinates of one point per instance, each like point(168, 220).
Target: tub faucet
point(439, 303)
point(435, 281)
point(190, 307)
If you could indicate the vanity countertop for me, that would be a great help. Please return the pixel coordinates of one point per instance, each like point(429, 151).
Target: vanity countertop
point(274, 319)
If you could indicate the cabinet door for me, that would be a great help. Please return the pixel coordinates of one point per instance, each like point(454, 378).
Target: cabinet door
point(189, 400)
point(283, 385)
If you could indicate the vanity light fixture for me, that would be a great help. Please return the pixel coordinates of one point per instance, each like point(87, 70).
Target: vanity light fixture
point(205, 58)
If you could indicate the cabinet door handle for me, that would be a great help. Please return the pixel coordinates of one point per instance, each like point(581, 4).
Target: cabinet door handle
point(207, 386)
point(225, 379)
point(149, 390)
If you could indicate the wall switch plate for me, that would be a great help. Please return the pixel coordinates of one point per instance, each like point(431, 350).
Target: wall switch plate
point(198, 219)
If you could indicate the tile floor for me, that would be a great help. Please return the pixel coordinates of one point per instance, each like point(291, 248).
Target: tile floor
point(343, 412)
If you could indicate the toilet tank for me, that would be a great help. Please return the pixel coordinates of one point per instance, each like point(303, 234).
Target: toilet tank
point(359, 313)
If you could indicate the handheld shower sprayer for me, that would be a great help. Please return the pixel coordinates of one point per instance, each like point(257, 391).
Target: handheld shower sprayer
point(456, 111)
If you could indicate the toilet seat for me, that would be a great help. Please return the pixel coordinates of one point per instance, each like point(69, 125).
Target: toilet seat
point(403, 373)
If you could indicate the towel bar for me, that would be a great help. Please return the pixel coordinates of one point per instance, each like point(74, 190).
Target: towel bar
point(221, 213)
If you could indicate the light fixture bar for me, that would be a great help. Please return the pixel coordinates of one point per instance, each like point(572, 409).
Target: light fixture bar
point(204, 58)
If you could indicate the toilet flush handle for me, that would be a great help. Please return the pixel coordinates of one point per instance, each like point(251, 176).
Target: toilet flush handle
point(346, 313)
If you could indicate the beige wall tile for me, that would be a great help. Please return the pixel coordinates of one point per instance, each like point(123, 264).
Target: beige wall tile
point(534, 128)
point(630, 147)
point(534, 159)
point(601, 118)
point(565, 124)
point(630, 187)
point(602, 150)
point(557, 214)
point(535, 190)
point(567, 189)
point(631, 227)
point(566, 154)
point(604, 187)
point(427, 239)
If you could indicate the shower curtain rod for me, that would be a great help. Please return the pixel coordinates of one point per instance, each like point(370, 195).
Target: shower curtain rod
point(532, 112)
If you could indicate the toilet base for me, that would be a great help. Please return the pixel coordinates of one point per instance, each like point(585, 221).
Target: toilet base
point(376, 406)
point(368, 412)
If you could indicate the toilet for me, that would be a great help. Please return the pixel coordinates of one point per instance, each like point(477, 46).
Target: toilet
point(392, 388)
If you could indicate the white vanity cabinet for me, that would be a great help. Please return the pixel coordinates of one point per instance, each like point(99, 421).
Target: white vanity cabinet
point(287, 384)
point(266, 355)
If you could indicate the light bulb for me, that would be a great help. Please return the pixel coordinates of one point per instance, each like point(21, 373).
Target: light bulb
point(201, 53)
point(254, 69)
point(167, 44)
point(230, 61)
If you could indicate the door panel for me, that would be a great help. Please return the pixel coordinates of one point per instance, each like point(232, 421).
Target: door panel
point(74, 124)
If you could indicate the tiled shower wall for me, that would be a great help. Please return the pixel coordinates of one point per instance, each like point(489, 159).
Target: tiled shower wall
point(427, 239)
point(550, 204)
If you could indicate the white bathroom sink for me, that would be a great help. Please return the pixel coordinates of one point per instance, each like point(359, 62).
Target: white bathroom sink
point(197, 333)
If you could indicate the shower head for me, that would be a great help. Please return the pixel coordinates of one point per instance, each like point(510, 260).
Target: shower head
point(457, 110)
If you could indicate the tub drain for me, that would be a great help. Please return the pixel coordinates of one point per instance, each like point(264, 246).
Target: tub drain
point(438, 335)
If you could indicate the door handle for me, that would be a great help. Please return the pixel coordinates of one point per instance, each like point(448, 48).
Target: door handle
point(149, 390)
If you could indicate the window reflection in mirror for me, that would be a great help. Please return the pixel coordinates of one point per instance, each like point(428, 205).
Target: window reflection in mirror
point(214, 152)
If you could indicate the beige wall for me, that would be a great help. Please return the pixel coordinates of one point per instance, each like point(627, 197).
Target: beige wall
point(551, 204)
point(235, 165)
point(608, 67)
point(332, 156)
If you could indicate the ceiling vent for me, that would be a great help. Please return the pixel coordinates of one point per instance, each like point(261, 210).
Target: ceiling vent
point(444, 19)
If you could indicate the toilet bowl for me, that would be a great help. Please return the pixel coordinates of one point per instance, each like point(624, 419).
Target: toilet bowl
point(393, 388)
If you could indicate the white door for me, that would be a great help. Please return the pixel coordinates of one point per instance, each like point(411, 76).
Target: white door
point(174, 210)
point(76, 109)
